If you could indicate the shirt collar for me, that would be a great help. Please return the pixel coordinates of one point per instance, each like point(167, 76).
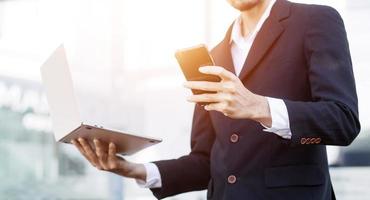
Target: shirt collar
point(236, 34)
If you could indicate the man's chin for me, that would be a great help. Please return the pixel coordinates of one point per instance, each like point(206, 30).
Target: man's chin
point(243, 6)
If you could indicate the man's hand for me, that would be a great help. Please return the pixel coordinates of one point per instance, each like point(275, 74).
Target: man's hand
point(103, 157)
point(231, 97)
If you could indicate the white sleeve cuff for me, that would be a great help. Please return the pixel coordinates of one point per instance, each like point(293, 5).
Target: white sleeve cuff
point(280, 118)
point(153, 177)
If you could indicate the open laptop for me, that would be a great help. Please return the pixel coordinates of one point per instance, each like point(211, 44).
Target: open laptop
point(64, 111)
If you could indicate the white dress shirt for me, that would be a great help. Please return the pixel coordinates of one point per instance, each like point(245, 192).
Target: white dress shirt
point(240, 47)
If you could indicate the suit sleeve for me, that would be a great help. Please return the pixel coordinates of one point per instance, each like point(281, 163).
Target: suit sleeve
point(190, 172)
point(331, 118)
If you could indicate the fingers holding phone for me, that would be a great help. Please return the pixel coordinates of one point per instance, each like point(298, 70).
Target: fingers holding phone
point(231, 97)
point(219, 89)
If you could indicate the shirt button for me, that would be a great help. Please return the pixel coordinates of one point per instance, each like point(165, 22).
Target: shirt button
point(231, 179)
point(234, 138)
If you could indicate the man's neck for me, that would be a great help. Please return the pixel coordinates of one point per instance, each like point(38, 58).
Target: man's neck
point(250, 18)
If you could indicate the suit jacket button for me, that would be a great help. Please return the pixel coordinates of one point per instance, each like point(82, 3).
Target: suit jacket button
point(303, 141)
point(231, 179)
point(234, 138)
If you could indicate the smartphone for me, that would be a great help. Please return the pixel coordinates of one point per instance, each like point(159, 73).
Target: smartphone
point(190, 59)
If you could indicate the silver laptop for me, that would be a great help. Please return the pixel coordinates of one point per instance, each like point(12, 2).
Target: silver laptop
point(64, 111)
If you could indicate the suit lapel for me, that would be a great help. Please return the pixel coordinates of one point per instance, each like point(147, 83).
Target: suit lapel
point(222, 53)
point(269, 33)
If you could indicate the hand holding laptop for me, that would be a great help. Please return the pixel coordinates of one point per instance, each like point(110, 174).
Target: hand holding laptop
point(99, 145)
point(103, 156)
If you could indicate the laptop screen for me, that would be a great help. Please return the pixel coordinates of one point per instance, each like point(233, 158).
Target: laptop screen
point(58, 86)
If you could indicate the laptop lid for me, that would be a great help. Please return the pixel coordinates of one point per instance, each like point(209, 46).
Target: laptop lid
point(58, 86)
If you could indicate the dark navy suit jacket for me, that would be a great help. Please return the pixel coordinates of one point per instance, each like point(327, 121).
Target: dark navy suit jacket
point(300, 55)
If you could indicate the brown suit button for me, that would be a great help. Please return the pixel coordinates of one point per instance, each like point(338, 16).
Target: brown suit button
point(234, 138)
point(317, 140)
point(231, 179)
point(303, 140)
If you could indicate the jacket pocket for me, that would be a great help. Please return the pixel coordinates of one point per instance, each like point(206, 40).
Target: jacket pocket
point(301, 175)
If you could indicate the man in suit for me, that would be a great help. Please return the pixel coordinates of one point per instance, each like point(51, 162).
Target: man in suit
point(287, 90)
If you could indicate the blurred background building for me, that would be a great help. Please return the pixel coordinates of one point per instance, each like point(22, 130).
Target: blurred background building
point(121, 57)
